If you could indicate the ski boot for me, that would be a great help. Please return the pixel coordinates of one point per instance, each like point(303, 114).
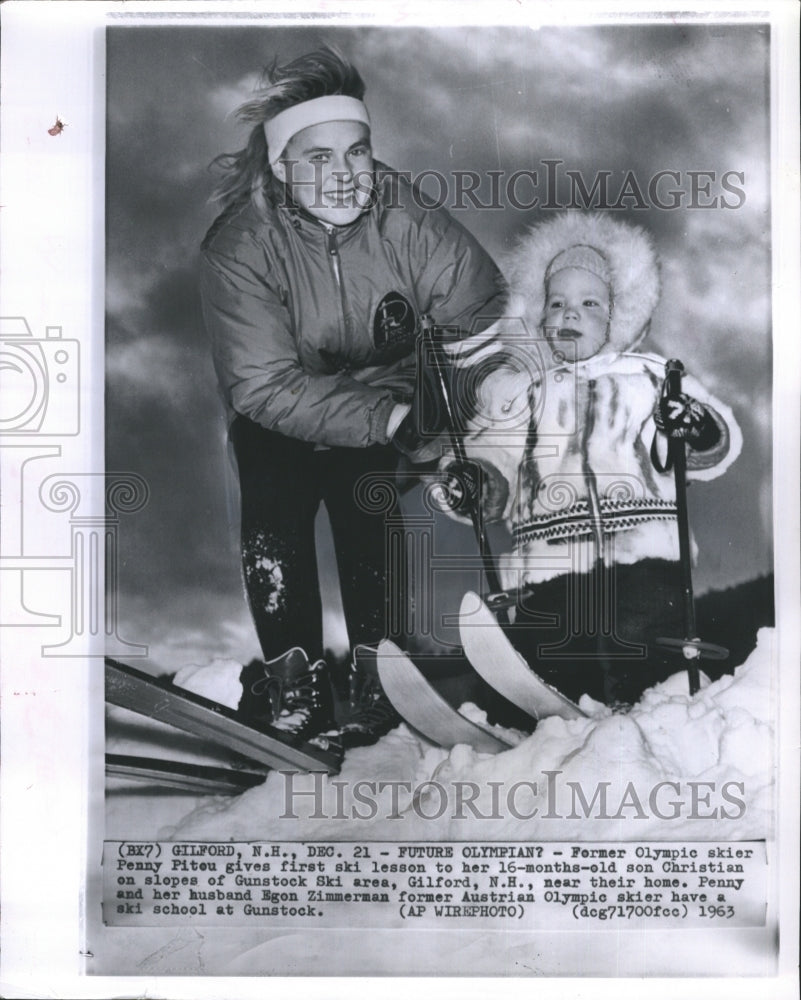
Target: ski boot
point(291, 695)
point(372, 714)
point(256, 704)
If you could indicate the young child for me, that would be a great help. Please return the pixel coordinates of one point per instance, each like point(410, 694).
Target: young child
point(569, 431)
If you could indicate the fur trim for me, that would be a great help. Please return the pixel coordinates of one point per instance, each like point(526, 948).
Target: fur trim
point(632, 260)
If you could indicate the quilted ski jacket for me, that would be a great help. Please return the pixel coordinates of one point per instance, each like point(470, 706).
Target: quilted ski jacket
point(313, 326)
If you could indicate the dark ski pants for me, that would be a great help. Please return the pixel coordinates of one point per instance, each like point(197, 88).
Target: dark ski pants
point(596, 632)
point(283, 481)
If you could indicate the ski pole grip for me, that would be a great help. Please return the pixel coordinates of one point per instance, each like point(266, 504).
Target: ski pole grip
point(674, 370)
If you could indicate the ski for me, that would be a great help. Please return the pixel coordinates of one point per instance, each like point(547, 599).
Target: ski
point(157, 699)
point(425, 709)
point(493, 657)
point(187, 777)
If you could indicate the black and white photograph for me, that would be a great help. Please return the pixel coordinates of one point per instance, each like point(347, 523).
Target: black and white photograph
point(417, 509)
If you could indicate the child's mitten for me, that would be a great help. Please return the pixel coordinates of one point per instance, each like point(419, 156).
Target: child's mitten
point(687, 419)
point(464, 485)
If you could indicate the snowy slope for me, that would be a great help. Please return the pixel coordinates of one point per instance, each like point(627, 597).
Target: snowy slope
point(673, 768)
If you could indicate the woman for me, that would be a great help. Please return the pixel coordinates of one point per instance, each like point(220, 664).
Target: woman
point(313, 282)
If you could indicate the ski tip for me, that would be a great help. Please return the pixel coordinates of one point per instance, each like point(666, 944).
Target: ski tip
point(472, 605)
point(425, 710)
point(387, 655)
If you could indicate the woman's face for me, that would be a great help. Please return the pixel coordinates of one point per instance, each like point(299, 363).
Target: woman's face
point(328, 169)
point(577, 310)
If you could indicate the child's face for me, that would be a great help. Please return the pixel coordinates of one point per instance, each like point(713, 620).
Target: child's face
point(577, 311)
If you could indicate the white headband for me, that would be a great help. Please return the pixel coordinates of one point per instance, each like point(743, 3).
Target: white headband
point(334, 108)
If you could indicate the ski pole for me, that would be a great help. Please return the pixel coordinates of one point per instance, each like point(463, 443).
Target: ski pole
point(439, 364)
point(691, 645)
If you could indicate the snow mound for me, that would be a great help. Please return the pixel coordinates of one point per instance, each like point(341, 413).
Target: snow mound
point(219, 681)
point(672, 768)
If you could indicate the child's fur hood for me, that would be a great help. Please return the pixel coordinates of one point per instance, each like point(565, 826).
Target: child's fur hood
point(632, 261)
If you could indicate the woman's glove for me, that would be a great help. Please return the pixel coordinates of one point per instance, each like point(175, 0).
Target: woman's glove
point(420, 434)
point(688, 420)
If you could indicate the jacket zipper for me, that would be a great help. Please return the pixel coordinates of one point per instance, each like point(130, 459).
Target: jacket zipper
point(589, 476)
point(336, 268)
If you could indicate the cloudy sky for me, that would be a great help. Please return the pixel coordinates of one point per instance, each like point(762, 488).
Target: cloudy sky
point(629, 100)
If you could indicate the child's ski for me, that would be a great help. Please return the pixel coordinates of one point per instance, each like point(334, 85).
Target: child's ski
point(158, 699)
point(498, 662)
point(425, 709)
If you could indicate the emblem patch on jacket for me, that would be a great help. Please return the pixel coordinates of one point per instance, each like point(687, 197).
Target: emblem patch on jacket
point(394, 326)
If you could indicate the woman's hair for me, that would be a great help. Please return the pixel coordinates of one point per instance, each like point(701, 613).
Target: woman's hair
point(321, 73)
